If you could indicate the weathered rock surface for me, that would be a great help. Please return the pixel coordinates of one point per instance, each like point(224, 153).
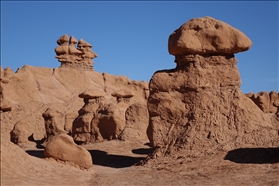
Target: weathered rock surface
point(63, 147)
point(137, 119)
point(198, 106)
point(33, 89)
point(267, 102)
point(69, 56)
point(5, 104)
point(52, 125)
point(207, 36)
point(21, 132)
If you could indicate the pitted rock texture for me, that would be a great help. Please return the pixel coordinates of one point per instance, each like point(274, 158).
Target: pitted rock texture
point(207, 36)
point(198, 106)
point(137, 119)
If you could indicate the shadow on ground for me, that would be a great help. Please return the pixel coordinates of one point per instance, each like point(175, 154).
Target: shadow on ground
point(142, 151)
point(102, 158)
point(254, 155)
point(36, 153)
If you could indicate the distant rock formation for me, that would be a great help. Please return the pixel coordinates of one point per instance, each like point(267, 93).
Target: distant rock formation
point(32, 90)
point(100, 119)
point(198, 106)
point(69, 56)
point(267, 102)
point(63, 148)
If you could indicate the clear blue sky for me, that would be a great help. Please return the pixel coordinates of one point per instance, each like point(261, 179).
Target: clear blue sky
point(131, 37)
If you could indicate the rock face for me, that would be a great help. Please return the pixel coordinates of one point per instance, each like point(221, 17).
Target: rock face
point(137, 119)
point(62, 147)
point(5, 104)
point(32, 90)
point(267, 102)
point(198, 106)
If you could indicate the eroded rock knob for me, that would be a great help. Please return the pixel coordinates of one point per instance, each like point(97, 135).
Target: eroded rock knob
point(207, 36)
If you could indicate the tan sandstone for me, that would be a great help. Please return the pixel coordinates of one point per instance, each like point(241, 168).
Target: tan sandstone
point(207, 36)
point(63, 147)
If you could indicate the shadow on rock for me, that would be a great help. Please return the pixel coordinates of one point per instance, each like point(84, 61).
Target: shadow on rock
point(111, 160)
point(36, 153)
point(254, 155)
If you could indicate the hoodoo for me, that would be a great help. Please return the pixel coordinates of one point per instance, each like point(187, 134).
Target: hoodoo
point(198, 106)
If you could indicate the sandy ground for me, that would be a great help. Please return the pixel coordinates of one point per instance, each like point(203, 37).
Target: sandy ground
point(113, 164)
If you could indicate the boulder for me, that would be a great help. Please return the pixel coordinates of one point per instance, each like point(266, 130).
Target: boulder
point(21, 132)
point(137, 119)
point(63, 147)
point(207, 36)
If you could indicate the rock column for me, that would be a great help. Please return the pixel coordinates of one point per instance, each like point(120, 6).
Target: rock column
point(198, 106)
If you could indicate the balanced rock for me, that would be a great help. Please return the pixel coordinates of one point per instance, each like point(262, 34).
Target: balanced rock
point(81, 129)
point(91, 94)
point(207, 36)
point(63, 147)
point(69, 56)
point(122, 95)
point(198, 106)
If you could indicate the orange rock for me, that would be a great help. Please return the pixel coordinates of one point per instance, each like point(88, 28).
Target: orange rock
point(207, 36)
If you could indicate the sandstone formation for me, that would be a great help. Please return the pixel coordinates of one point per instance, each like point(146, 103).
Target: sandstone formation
point(53, 128)
point(62, 147)
point(32, 90)
point(267, 102)
point(207, 36)
point(100, 119)
point(123, 95)
point(5, 104)
point(198, 107)
point(137, 119)
point(21, 132)
point(82, 124)
point(69, 56)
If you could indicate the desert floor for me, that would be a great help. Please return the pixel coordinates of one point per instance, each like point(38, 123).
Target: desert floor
point(114, 164)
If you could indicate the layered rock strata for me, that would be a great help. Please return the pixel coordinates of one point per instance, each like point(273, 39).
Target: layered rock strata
point(198, 106)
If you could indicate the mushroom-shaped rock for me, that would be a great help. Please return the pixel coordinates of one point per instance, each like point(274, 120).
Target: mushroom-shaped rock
point(92, 94)
point(207, 36)
point(63, 148)
point(122, 94)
